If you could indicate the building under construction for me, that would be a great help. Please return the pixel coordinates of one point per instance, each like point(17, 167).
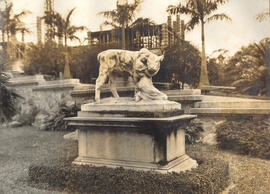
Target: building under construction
point(146, 36)
point(48, 12)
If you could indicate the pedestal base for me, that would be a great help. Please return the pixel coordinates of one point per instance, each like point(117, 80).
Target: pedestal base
point(143, 136)
point(179, 164)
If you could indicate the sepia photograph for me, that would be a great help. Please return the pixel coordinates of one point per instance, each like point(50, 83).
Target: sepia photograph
point(135, 96)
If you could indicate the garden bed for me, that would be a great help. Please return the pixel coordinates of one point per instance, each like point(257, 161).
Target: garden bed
point(243, 136)
point(212, 176)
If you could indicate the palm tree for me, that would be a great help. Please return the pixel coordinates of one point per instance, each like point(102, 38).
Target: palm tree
point(121, 17)
point(12, 23)
point(201, 11)
point(248, 70)
point(16, 25)
point(5, 18)
point(65, 30)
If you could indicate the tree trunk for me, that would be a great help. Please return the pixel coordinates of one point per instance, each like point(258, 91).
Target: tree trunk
point(3, 36)
point(123, 42)
point(204, 74)
point(7, 36)
point(67, 74)
point(22, 37)
point(60, 41)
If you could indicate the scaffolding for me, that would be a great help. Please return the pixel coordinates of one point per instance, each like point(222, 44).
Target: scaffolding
point(39, 32)
point(48, 12)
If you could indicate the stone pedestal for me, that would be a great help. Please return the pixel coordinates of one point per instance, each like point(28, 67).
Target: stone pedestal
point(142, 135)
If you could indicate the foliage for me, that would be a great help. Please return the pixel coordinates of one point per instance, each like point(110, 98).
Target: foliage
point(183, 60)
point(216, 64)
point(26, 114)
point(65, 29)
point(250, 137)
point(248, 68)
point(211, 176)
point(121, 17)
point(193, 131)
point(49, 59)
point(55, 121)
point(12, 23)
point(8, 99)
point(200, 11)
point(44, 59)
point(84, 64)
point(262, 16)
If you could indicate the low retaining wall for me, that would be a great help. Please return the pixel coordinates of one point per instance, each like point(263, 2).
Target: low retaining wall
point(40, 97)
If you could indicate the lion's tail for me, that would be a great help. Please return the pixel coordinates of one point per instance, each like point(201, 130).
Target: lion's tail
point(99, 56)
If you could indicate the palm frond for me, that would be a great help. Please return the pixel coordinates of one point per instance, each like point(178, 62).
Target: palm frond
point(109, 14)
point(140, 22)
point(263, 16)
point(107, 23)
point(181, 9)
point(74, 37)
point(22, 14)
point(192, 23)
point(221, 16)
point(67, 21)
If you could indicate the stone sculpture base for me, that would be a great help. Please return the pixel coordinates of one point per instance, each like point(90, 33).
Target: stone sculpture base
point(142, 135)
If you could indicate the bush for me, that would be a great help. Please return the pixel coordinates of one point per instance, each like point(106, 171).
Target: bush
point(193, 131)
point(212, 176)
point(183, 60)
point(49, 59)
point(245, 137)
point(84, 64)
point(44, 59)
point(55, 121)
point(8, 100)
point(27, 112)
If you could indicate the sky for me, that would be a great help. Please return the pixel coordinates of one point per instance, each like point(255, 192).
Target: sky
point(243, 29)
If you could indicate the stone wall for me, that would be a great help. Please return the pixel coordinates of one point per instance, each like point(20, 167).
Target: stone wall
point(40, 97)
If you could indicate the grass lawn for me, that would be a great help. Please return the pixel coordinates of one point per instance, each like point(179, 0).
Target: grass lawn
point(21, 147)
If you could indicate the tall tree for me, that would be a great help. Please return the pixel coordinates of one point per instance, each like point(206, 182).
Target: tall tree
point(201, 12)
point(121, 17)
point(182, 60)
point(65, 30)
point(248, 69)
point(12, 23)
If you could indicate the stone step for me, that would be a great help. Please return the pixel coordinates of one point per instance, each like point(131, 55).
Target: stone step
point(236, 111)
point(182, 92)
point(234, 104)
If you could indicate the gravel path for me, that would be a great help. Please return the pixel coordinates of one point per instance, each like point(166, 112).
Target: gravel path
point(20, 147)
point(248, 175)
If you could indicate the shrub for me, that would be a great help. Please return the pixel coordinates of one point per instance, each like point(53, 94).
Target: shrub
point(212, 176)
point(183, 60)
point(193, 131)
point(27, 112)
point(44, 59)
point(55, 121)
point(8, 99)
point(245, 137)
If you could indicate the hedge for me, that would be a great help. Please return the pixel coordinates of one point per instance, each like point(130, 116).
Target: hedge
point(212, 176)
point(250, 137)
